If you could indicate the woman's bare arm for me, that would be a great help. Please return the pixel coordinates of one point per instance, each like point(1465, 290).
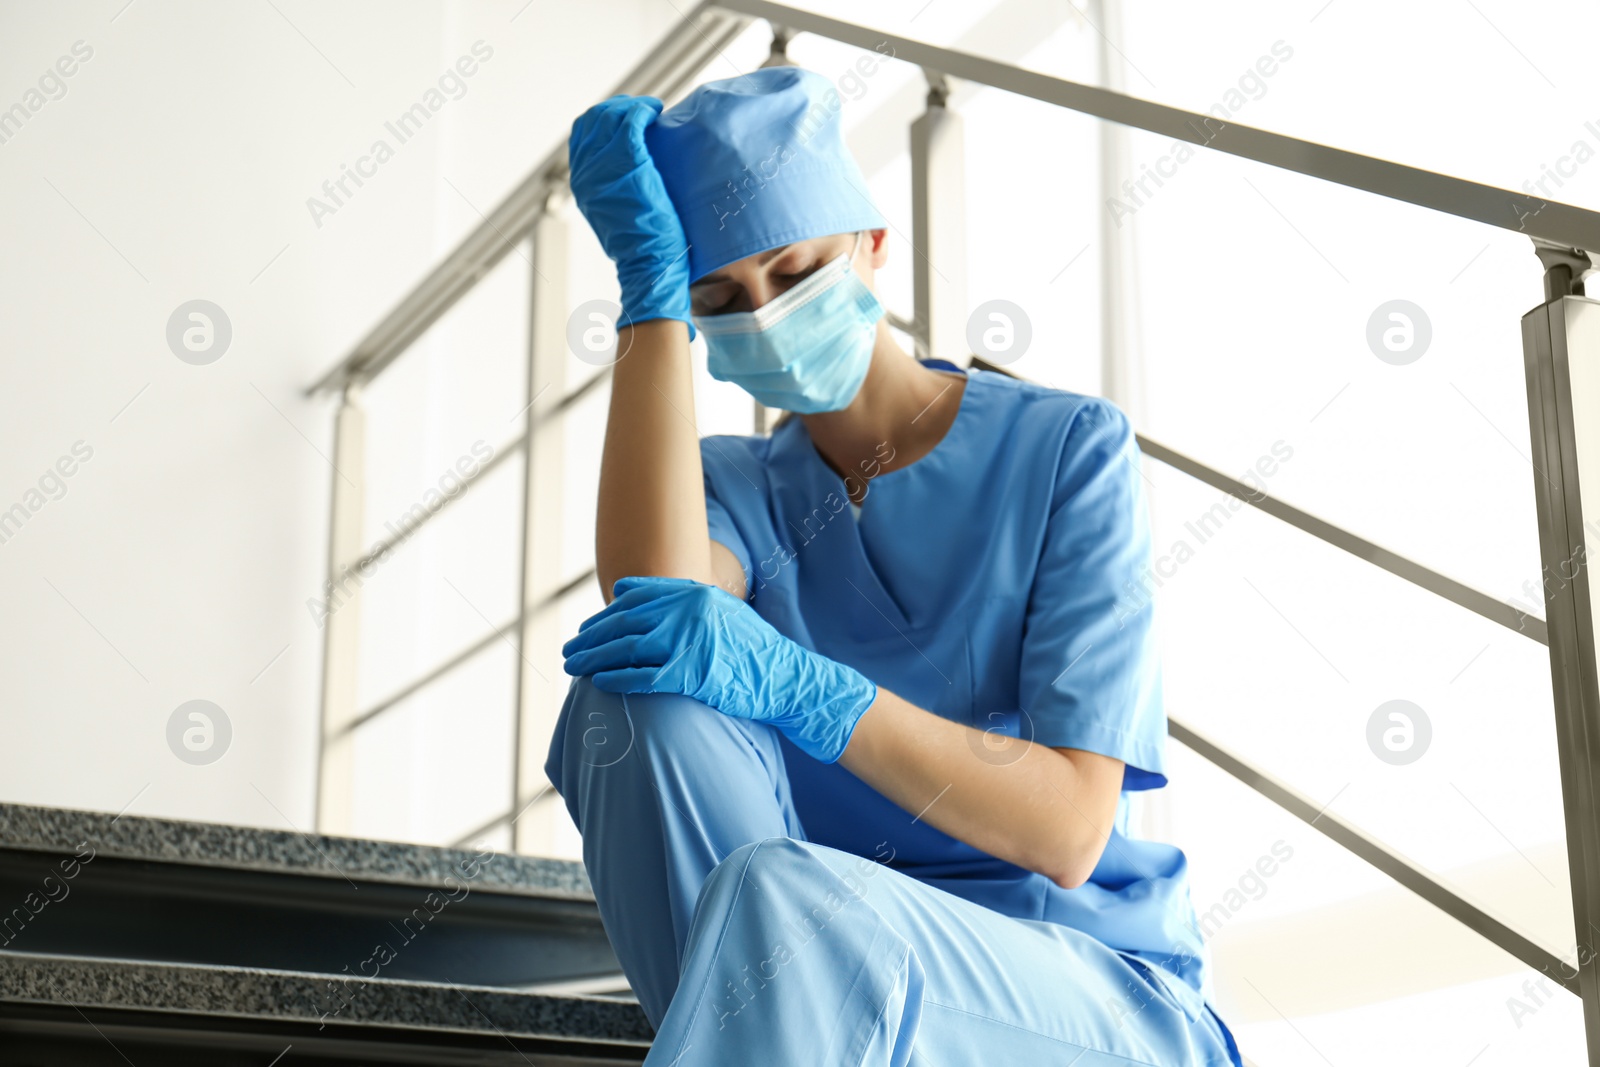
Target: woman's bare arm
point(651, 517)
point(1045, 809)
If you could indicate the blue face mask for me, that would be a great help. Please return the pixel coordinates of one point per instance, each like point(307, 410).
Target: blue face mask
point(806, 351)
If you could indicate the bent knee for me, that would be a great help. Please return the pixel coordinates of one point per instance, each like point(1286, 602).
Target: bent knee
point(774, 865)
point(777, 883)
point(602, 728)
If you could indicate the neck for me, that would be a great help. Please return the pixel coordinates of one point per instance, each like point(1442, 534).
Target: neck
point(902, 411)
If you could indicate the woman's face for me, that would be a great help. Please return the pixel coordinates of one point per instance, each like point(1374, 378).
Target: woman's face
point(747, 284)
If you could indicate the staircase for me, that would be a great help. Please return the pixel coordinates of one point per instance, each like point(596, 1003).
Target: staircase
point(148, 941)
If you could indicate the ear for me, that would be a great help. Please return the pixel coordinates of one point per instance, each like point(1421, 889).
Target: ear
point(879, 249)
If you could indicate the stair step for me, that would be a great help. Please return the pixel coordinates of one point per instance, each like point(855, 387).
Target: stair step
point(84, 1010)
point(191, 939)
point(61, 830)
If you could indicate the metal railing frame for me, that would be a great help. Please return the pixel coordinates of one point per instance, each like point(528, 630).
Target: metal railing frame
point(1561, 357)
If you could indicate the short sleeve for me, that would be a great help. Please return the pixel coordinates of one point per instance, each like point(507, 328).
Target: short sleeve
point(723, 531)
point(713, 458)
point(1091, 676)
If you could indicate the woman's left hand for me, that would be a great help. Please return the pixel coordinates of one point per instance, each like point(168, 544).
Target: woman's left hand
point(676, 635)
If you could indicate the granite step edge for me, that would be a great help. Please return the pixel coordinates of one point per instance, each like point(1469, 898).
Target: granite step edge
point(139, 837)
point(294, 996)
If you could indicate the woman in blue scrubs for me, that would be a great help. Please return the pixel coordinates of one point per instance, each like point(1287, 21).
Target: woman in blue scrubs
point(851, 743)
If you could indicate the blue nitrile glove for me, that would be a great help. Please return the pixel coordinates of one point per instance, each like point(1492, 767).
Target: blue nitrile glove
point(620, 192)
point(675, 635)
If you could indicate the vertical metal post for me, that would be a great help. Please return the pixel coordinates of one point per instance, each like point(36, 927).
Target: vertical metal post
point(939, 226)
point(1121, 360)
point(342, 622)
point(1121, 356)
point(540, 681)
point(1561, 350)
point(778, 55)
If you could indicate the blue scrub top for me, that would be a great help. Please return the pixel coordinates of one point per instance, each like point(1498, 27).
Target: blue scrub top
point(997, 581)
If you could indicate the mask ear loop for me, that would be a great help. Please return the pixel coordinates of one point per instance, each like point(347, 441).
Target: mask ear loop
point(919, 346)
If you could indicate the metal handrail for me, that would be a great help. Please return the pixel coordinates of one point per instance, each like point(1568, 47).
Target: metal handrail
point(1562, 224)
point(1512, 618)
point(433, 674)
point(511, 448)
point(1379, 855)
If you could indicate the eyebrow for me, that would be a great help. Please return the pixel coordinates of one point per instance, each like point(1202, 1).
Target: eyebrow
point(766, 257)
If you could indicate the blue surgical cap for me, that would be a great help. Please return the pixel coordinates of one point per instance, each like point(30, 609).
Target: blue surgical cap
point(756, 162)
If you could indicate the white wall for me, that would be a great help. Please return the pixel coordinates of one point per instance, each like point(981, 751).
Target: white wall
point(177, 165)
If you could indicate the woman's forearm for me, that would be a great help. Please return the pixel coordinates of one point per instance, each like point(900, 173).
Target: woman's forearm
point(1035, 806)
point(651, 516)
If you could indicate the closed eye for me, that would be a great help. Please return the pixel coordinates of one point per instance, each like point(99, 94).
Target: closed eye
point(716, 301)
point(736, 300)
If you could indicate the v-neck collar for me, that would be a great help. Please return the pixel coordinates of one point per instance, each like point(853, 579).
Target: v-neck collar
point(813, 479)
point(792, 442)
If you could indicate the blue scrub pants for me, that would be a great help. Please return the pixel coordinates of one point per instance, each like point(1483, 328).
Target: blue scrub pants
point(747, 944)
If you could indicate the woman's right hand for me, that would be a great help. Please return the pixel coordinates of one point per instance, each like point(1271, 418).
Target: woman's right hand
point(620, 191)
